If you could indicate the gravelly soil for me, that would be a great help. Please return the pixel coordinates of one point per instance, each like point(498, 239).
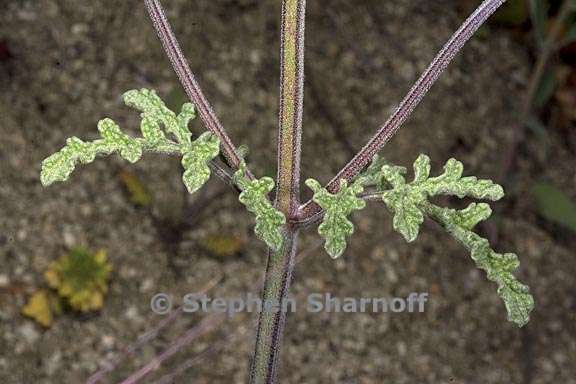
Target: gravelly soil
point(71, 60)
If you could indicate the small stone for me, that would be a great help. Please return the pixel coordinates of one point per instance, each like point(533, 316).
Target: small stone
point(69, 238)
point(29, 333)
point(147, 285)
point(53, 363)
point(108, 341)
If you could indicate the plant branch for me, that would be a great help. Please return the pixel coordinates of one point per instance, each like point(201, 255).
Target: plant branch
point(410, 101)
point(291, 100)
point(271, 321)
point(281, 263)
point(188, 81)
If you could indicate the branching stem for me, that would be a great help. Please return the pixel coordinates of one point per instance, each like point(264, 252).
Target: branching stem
point(410, 101)
point(280, 264)
point(188, 81)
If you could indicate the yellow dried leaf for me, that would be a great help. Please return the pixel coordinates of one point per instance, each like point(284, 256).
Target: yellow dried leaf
point(223, 245)
point(138, 193)
point(42, 307)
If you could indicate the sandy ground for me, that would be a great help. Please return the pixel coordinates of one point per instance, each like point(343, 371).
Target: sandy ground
point(71, 60)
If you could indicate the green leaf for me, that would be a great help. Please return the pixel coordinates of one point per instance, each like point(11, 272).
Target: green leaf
point(335, 226)
point(154, 109)
point(512, 13)
point(538, 16)
point(114, 139)
point(405, 200)
point(60, 165)
point(196, 159)
point(546, 88)
point(555, 205)
point(409, 203)
point(254, 196)
point(519, 303)
point(195, 154)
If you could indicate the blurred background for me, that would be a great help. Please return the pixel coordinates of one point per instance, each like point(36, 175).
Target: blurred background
point(506, 108)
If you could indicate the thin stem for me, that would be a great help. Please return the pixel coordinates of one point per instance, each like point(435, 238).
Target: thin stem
point(188, 81)
point(291, 100)
point(410, 101)
point(271, 322)
point(281, 263)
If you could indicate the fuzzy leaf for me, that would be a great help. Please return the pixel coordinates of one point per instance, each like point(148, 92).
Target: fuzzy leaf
point(196, 154)
point(154, 109)
point(254, 196)
point(405, 200)
point(519, 303)
point(336, 227)
point(116, 140)
point(196, 158)
point(409, 203)
point(60, 165)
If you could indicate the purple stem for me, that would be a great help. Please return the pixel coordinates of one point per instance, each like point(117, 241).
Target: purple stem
point(188, 81)
point(408, 104)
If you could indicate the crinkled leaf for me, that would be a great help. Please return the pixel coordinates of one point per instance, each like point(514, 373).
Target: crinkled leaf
point(499, 267)
point(407, 215)
point(196, 159)
point(336, 227)
point(155, 115)
point(114, 138)
point(254, 196)
point(154, 109)
point(60, 165)
point(409, 203)
point(404, 200)
point(451, 182)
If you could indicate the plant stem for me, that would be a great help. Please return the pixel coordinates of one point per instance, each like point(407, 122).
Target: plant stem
point(281, 263)
point(291, 100)
point(271, 322)
point(409, 103)
point(188, 81)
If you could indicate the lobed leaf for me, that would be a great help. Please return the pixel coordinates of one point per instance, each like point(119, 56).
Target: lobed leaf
point(499, 267)
point(60, 165)
point(409, 203)
point(405, 200)
point(153, 109)
point(195, 154)
point(336, 227)
point(196, 159)
point(254, 196)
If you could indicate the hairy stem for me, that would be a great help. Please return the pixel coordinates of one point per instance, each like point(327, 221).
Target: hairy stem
point(291, 100)
point(188, 81)
point(410, 101)
point(271, 322)
point(280, 263)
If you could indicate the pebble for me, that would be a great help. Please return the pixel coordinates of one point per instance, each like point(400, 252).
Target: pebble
point(29, 333)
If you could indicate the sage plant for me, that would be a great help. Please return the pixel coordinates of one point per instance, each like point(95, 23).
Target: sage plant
point(278, 221)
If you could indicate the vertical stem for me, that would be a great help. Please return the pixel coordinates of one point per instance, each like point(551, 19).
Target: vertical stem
point(271, 322)
point(291, 99)
point(281, 263)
